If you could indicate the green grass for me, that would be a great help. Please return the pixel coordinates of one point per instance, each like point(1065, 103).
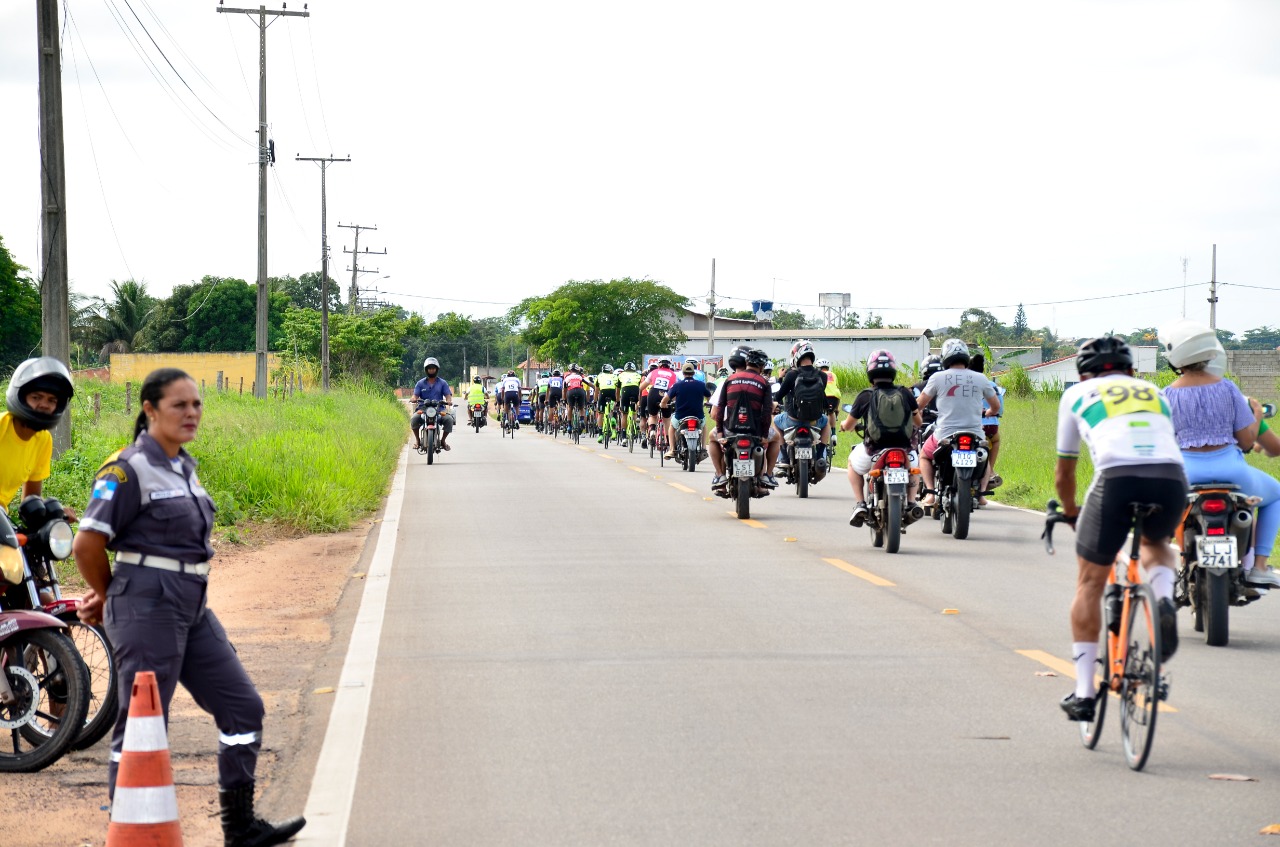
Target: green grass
point(314, 463)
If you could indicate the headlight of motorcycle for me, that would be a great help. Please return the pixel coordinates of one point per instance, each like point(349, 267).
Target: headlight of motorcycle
point(11, 564)
point(57, 537)
point(431, 411)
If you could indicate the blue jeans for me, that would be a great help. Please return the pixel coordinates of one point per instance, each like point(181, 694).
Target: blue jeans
point(785, 422)
point(1228, 465)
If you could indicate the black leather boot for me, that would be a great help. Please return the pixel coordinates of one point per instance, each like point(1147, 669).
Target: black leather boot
point(241, 829)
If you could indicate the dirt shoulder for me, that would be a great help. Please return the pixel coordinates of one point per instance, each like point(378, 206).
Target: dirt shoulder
point(288, 605)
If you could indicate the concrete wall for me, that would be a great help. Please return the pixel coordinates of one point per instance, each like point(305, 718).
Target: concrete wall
point(1257, 372)
point(134, 367)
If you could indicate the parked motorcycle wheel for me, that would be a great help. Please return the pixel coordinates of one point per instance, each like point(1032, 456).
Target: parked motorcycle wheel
point(744, 499)
point(1215, 601)
point(893, 524)
point(963, 508)
point(802, 478)
point(41, 665)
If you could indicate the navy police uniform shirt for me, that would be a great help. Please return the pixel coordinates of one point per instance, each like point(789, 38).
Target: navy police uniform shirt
point(145, 502)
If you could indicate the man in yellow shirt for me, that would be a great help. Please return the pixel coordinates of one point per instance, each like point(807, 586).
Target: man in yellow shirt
point(36, 399)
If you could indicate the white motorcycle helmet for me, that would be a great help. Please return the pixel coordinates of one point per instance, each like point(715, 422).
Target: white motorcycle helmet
point(954, 350)
point(1186, 343)
point(1218, 364)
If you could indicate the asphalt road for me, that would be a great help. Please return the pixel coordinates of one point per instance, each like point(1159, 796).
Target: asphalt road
point(582, 648)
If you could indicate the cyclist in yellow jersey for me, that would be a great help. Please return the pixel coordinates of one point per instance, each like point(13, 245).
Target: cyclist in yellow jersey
point(832, 390)
point(628, 394)
point(606, 392)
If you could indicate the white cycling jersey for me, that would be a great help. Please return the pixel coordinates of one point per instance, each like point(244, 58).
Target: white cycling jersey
point(1124, 421)
point(510, 383)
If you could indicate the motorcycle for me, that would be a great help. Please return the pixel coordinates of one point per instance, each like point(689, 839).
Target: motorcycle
point(1216, 526)
point(889, 507)
point(477, 415)
point(44, 684)
point(959, 465)
point(688, 446)
point(45, 538)
point(429, 435)
point(805, 453)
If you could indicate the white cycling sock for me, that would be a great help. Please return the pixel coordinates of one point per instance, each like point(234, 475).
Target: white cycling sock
point(1161, 581)
point(1085, 655)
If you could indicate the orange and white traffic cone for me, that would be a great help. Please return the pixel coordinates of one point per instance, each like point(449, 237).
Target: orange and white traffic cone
point(144, 811)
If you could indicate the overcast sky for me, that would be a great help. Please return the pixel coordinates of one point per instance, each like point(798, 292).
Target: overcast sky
point(924, 154)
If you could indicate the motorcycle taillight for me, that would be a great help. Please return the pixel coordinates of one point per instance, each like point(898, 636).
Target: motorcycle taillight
point(744, 443)
point(801, 432)
point(965, 442)
point(692, 425)
point(895, 459)
point(1216, 530)
point(1213, 506)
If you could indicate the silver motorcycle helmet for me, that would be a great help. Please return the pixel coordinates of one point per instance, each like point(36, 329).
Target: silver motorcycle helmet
point(42, 374)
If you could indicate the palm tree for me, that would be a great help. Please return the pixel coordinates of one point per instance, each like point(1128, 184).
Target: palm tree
point(119, 321)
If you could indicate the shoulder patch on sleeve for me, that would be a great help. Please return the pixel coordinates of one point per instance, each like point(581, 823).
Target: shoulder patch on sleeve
point(112, 469)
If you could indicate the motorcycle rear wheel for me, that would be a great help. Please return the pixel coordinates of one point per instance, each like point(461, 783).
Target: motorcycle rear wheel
point(744, 499)
point(1214, 592)
point(963, 508)
point(802, 478)
point(893, 524)
point(41, 664)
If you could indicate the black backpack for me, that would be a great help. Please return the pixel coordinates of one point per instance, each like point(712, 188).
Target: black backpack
point(888, 415)
point(810, 393)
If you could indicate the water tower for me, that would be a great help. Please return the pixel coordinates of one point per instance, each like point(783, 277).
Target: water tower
point(834, 308)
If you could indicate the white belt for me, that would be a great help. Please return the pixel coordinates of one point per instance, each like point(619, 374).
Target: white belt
point(149, 561)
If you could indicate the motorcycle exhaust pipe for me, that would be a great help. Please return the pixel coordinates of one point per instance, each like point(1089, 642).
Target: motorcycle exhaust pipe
point(1242, 519)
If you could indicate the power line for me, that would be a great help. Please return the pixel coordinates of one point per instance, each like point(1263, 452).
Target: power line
point(199, 99)
point(315, 73)
point(93, 151)
point(449, 299)
point(297, 80)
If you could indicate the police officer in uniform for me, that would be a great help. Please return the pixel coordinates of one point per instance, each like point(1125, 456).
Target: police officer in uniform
point(149, 507)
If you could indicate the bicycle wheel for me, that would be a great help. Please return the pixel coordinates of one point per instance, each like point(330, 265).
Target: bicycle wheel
point(1090, 731)
point(104, 698)
point(46, 675)
point(632, 433)
point(1141, 689)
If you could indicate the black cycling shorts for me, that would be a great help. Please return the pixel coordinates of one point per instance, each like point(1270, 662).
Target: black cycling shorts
point(577, 397)
point(607, 395)
point(512, 397)
point(652, 401)
point(630, 396)
point(1105, 519)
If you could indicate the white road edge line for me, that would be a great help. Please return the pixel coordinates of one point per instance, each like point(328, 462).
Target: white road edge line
point(333, 786)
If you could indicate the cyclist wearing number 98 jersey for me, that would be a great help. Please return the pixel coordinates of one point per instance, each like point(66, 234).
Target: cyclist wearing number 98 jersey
point(1126, 424)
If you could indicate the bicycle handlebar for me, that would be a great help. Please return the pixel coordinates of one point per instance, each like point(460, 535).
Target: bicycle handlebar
point(1053, 515)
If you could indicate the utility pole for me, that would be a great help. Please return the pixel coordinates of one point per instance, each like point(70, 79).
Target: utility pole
point(353, 296)
point(55, 324)
point(1184, 286)
point(1213, 292)
point(711, 312)
point(266, 155)
point(324, 163)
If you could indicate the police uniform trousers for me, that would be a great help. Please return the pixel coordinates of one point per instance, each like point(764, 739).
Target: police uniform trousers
point(158, 621)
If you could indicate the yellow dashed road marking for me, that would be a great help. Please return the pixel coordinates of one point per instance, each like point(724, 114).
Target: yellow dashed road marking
point(859, 572)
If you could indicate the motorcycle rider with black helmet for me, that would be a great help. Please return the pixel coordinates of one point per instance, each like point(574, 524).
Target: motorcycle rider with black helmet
point(930, 366)
point(35, 401)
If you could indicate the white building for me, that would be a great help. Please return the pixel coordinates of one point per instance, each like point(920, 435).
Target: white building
point(1062, 373)
point(841, 346)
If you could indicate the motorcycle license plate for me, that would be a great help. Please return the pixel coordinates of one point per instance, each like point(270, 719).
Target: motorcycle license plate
point(804, 452)
point(896, 477)
point(744, 467)
point(964, 459)
point(1217, 552)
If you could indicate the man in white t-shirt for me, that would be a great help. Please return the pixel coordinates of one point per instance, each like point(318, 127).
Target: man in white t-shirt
point(960, 393)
